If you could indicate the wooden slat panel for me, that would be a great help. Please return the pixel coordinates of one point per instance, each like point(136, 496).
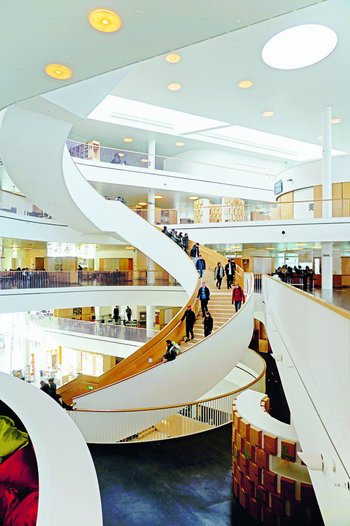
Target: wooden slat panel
point(337, 196)
point(318, 201)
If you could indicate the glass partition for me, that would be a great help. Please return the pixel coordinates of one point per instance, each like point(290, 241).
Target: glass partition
point(37, 279)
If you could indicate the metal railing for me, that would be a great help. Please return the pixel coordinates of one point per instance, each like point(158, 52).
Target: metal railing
point(147, 424)
point(103, 330)
point(20, 205)
point(40, 279)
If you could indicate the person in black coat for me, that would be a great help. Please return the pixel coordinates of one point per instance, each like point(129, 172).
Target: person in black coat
point(190, 317)
point(204, 296)
point(230, 269)
point(116, 316)
point(208, 323)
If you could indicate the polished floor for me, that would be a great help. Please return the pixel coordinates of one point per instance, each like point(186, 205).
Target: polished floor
point(338, 297)
point(172, 483)
point(180, 482)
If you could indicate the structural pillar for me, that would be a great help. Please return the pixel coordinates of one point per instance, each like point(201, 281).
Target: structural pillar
point(152, 154)
point(327, 248)
point(327, 162)
point(151, 219)
point(150, 320)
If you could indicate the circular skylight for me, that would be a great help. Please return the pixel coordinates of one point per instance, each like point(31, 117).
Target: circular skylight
point(300, 46)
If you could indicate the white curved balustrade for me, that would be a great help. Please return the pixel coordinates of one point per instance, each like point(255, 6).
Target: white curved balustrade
point(68, 486)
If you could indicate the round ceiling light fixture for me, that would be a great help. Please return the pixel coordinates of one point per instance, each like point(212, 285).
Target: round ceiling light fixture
point(268, 113)
point(245, 84)
point(105, 20)
point(142, 204)
point(193, 198)
point(179, 143)
point(128, 139)
point(299, 46)
point(173, 58)
point(174, 86)
point(158, 197)
point(58, 71)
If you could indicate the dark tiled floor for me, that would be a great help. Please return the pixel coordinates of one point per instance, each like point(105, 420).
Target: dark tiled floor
point(170, 483)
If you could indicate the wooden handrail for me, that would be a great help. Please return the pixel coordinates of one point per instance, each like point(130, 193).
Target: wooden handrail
point(157, 408)
point(149, 354)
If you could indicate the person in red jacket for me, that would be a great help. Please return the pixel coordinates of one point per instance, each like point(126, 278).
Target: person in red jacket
point(237, 297)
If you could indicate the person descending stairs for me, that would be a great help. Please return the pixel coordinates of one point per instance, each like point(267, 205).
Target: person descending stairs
point(219, 306)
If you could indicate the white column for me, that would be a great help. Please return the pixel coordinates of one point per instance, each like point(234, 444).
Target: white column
point(152, 154)
point(150, 219)
point(327, 162)
point(327, 267)
point(150, 318)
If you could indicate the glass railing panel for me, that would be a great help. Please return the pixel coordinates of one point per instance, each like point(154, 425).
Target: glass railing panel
point(17, 204)
point(35, 279)
point(103, 330)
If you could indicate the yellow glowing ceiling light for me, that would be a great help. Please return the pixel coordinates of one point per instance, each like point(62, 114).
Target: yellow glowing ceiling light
point(193, 197)
point(58, 71)
point(142, 204)
point(105, 20)
point(179, 143)
point(244, 84)
point(174, 86)
point(128, 139)
point(158, 197)
point(173, 58)
point(129, 248)
point(268, 113)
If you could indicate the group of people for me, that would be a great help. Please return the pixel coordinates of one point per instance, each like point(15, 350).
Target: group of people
point(296, 275)
point(179, 238)
point(50, 388)
point(116, 314)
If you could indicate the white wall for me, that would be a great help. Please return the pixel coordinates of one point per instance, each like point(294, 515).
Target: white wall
point(214, 181)
point(310, 173)
point(311, 343)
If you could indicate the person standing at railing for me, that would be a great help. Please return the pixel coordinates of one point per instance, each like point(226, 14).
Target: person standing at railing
point(204, 296)
point(116, 159)
point(218, 274)
point(230, 269)
point(200, 266)
point(238, 297)
point(208, 323)
point(190, 317)
point(128, 313)
point(116, 316)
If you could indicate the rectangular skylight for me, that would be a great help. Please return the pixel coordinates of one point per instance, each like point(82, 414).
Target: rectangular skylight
point(261, 142)
point(126, 112)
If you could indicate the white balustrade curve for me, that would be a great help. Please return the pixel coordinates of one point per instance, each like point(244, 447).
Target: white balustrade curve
point(68, 491)
point(57, 186)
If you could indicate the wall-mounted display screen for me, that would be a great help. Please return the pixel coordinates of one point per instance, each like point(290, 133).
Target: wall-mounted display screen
point(278, 188)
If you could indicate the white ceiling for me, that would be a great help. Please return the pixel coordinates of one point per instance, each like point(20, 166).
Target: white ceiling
point(36, 33)
point(210, 71)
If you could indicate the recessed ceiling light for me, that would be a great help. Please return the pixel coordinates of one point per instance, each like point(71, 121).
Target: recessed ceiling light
point(105, 20)
point(128, 139)
point(268, 113)
point(244, 84)
point(299, 46)
point(158, 197)
point(179, 143)
point(58, 71)
point(144, 160)
point(142, 204)
point(193, 197)
point(173, 58)
point(121, 154)
point(174, 86)
point(129, 248)
point(336, 120)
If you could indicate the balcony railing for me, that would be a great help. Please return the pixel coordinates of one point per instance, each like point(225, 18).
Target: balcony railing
point(159, 423)
point(102, 330)
point(40, 279)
